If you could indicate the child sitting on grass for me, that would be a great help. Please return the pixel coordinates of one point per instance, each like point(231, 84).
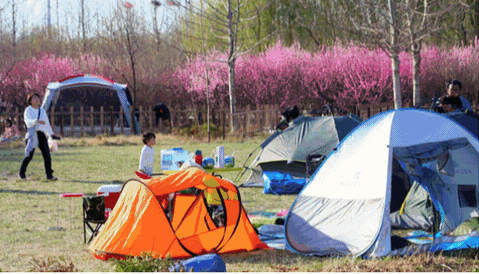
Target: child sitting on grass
point(147, 153)
point(11, 132)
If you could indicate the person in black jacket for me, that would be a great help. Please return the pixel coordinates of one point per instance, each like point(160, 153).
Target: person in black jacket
point(291, 113)
point(452, 100)
point(161, 112)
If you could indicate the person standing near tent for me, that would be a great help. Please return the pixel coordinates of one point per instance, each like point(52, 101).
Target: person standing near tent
point(147, 156)
point(287, 117)
point(38, 127)
point(450, 100)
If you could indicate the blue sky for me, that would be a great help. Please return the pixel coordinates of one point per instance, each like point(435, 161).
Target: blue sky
point(35, 11)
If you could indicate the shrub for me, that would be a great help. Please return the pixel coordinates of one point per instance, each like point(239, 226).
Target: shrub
point(144, 263)
point(200, 132)
point(52, 265)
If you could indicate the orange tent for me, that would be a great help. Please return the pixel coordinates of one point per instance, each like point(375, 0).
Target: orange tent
point(160, 217)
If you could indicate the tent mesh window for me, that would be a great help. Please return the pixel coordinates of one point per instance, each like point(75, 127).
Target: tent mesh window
point(94, 208)
point(87, 96)
point(467, 195)
point(93, 216)
point(313, 161)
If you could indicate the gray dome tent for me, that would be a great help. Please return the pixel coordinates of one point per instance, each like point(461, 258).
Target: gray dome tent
point(286, 151)
point(89, 90)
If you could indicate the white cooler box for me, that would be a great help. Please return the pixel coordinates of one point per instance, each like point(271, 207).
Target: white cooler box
point(111, 193)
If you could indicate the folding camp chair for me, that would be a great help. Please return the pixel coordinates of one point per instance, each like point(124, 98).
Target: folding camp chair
point(93, 216)
point(313, 161)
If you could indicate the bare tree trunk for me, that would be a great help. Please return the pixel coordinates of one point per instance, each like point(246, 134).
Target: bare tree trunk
point(130, 41)
point(207, 77)
point(82, 20)
point(231, 67)
point(476, 21)
point(156, 4)
point(416, 63)
point(463, 30)
point(396, 81)
point(231, 88)
point(14, 30)
point(395, 55)
point(208, 102)
point(60, 41)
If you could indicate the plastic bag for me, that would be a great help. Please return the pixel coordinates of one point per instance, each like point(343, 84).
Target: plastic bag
point(52, 144)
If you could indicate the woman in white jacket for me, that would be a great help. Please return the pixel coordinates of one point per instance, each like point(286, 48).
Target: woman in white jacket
point(38, 127)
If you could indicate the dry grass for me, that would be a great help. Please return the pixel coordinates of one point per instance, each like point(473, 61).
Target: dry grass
point(122, 140)
point(418, 263)
point(83, 164)
point(53, 265)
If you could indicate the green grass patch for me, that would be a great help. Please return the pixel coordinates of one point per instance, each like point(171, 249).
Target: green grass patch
point(30, 208)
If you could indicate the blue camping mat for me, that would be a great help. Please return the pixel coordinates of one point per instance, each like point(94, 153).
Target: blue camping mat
point(423, 241)
point(272, 235)
point(202, 263)
point(279, 183)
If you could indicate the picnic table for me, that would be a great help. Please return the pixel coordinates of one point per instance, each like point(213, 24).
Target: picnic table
point(209, 170)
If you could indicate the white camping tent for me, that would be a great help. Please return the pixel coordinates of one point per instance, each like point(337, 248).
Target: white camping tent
point(88, 90)
point(345, 207)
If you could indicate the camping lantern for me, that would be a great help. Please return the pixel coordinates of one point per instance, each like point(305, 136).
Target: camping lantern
point(111, 193)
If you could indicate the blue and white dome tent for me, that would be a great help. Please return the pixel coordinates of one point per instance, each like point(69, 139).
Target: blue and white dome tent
point(345, 207)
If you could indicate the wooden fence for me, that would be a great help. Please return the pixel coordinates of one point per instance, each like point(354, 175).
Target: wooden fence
point(111, 121)
point(249, 120)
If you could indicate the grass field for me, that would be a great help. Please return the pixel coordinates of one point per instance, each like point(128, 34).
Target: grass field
point(30, 207)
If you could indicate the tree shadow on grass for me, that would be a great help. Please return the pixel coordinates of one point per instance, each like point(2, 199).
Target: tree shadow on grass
point(275, 259)
point(29, 192)
point(36, 192)
point(116, 182)
point(273, 256)
point(11, 156)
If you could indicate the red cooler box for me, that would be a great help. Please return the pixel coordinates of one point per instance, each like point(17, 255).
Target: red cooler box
point(111, 193)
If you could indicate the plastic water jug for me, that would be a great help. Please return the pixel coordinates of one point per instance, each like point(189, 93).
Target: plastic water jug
point(171, 158)
point(220, 157)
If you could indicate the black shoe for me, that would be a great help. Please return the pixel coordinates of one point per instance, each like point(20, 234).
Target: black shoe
point(22, 176)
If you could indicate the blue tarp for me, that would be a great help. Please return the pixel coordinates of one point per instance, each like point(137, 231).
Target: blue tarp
point(442, 243)
point(202, 263)
point(272, 235)
point(279, 184)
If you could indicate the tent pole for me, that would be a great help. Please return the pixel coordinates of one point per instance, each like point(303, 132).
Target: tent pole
point(244, 166)
point(433, 223)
